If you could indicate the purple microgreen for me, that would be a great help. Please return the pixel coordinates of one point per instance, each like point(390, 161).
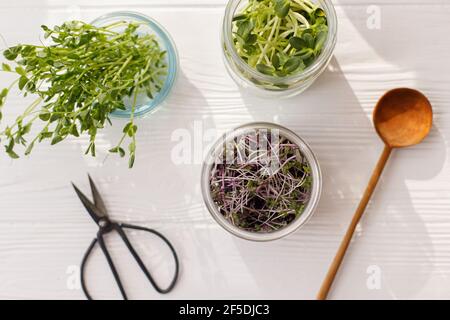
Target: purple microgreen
point(261, 181)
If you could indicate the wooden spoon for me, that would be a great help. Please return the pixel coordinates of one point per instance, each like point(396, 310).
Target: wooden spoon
point(403, 117)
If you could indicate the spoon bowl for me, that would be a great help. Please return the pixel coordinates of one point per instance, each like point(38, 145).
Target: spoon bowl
point(403, 117)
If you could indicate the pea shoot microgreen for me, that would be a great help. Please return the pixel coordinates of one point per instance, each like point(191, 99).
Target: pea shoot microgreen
point(280, 37)
point(261, 183)
point(79, 80)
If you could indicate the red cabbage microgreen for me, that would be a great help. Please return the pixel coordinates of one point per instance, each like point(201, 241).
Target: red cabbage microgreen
point(261, 181)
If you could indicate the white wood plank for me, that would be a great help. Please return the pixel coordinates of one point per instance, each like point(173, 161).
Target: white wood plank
point(406, 231)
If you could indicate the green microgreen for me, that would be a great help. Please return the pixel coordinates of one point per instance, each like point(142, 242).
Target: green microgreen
point(261, 181)
point(80, 79)
point(280, 37)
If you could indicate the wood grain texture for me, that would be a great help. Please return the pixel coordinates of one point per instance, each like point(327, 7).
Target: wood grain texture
point(405, 231)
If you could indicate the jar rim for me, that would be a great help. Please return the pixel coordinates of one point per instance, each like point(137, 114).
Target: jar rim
point(323, 58)
point(294, 225)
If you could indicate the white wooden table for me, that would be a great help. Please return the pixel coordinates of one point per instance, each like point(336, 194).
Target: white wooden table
point(403, 240)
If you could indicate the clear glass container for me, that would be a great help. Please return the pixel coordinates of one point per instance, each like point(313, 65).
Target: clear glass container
point(257, 83)
point(146, 105)
point(311, 205)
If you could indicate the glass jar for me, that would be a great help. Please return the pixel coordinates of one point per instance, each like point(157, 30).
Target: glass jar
point(316, 186)
point(145, 105)
point(266, 85)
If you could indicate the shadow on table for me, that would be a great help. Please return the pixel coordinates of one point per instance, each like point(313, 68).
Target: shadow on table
point(401, 247)
point(391, 40)
point(344, 140)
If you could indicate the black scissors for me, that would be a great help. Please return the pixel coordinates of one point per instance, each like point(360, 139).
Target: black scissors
point(97, 211)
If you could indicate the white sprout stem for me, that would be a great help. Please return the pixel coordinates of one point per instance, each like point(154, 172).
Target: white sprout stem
point(267, 59)
point(295, 28)
point(300, 18)
point(269, 39)
point(285, 34)
point(248, 6)
point(262, 49)
point(238, 149)
point(309, 3)
point(268, 26)
point(288, 47)
point(305, 4)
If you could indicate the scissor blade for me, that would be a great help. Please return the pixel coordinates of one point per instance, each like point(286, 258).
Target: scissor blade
point(98, 201)
point(90, 207)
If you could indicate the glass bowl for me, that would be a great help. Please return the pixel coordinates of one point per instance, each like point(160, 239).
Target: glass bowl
point(261, 236)
point(146, 105)
point(255, 82)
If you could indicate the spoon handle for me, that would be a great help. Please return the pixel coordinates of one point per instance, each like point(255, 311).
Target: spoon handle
point(332, 271)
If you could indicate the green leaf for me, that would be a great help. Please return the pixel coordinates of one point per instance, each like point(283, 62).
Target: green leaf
point(276, 61)
point(54, 117)
point(12, 154)
point(12, 53)
point(265, 69)
point(251, 39)
point(127, 127)
point(23, 82)
point(74, 131)
point(45, 135)
point(56, 139)
point(320, 40)
point(6, 67)
point(245, 28)
point(10, 145)
point(118, 150)
point(29, 149)
point(93, 149)
point(149, 93)
point(297, 43)
point(31, 86)
point(292, 64)
point(250, 49)
point(27, 50)
point(319, 12)
point(44, 115)
point(132, 130)
point(305, 54)
point(132, 147)
point(4, 93)
point(131, 161)
point(73, 56)
point(308, 39)
point(21, 71)
point(282, 8)
point(26, 129)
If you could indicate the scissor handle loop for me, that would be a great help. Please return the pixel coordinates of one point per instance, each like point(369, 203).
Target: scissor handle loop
point(119, 229)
